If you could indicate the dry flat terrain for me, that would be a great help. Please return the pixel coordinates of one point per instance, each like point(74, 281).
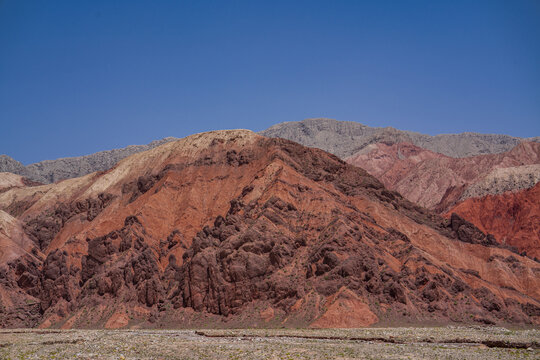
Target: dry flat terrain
point(391, 343)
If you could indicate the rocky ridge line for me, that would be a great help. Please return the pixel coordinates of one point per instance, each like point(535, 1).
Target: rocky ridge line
point(344, 138)
point(341, 138)
point(49, 171)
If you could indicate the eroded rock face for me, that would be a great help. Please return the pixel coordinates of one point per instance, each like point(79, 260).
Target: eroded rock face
point(121, 264)
point(467, 232)
point(236, 262)
point(438, 182)
point(44, 227)
point(57, 280)
point(241, 260)
point(239, 229)
point(19, 292)
point(513, 218)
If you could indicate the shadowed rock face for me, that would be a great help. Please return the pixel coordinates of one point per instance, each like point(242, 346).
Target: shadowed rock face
point(238, 229)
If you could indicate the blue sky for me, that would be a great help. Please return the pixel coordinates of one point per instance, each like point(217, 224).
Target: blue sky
point(77, 77)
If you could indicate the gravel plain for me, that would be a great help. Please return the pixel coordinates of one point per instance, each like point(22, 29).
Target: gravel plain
point(374, 343)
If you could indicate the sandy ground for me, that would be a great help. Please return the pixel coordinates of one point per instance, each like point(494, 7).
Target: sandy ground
point(391, 343)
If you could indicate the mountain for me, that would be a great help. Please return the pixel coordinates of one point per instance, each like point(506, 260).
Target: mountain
point(10, 165)
point(439, 172)
point(345, 138)
point(438, 182)
point(50, 171)
point(513, 217)
point(230, 228)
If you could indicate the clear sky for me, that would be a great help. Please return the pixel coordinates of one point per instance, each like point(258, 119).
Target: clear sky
point(81, 76)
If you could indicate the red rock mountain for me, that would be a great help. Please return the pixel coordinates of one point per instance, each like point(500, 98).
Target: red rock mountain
point(513, 217)
point(438, 182)
point(230, 228)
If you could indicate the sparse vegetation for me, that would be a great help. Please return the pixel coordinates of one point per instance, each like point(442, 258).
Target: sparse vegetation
point(287, 344)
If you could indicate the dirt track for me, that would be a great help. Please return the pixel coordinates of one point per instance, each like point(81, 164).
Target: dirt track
point(396, 343)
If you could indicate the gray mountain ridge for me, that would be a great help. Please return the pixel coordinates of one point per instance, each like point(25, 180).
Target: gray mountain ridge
point(341, 138)
point(49, 171)
point(345, 138)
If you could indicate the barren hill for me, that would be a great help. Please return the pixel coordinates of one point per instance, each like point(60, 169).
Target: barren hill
point(438, 182)
point(231, 228)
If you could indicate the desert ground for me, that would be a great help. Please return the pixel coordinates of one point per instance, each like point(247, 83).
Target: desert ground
point(376, 343)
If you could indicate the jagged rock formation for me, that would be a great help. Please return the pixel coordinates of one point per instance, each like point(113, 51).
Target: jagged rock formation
point(237, 229)
point(513, 217)
point(345, 138)
point(50, 171)
point(438, 182)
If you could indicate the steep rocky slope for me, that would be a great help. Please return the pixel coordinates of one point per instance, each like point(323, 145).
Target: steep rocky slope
point(438, 182)
point(49, 171)
point(345, 138)
point(513, 217)
point(230, 228)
